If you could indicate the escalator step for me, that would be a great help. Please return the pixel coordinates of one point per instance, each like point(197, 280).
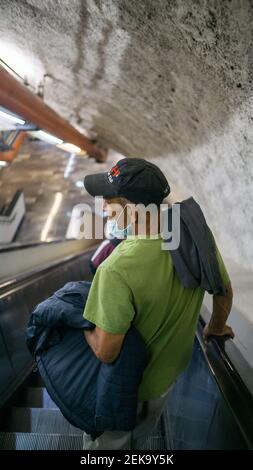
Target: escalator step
point(38, 420)
point(52, 441)
point(35, 441)
point(153, 443)
point(35, 397)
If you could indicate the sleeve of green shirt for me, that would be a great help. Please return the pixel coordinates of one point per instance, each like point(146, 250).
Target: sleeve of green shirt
point(109, 305)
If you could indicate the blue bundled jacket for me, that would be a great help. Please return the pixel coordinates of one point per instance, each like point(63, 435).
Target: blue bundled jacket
point(92, 395)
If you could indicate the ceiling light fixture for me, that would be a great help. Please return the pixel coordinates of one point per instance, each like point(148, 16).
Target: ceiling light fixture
point(79, 184)
point(68, 147)
point(11, 117)
point(70, 165)
point(49, 138)
point(51, 216)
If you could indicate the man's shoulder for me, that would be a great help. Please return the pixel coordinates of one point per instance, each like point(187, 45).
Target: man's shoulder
point(120, 259)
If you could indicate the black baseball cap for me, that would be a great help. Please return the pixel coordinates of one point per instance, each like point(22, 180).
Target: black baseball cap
point(135, 179)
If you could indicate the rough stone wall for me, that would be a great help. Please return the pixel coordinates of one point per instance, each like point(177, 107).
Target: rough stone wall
point(168, 80)
point(219, 174)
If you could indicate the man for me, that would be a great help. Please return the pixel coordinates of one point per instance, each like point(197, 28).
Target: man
point(137, 284)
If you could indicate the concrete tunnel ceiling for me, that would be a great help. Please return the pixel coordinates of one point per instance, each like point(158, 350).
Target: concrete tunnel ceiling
point(148, 77)
point(155, 79)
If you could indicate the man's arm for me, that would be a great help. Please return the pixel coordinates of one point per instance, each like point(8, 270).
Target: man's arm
point(221, 309)
point(106, 346)
point(110, 307)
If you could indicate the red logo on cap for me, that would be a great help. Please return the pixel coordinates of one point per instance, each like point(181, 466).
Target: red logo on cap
point(115, 171)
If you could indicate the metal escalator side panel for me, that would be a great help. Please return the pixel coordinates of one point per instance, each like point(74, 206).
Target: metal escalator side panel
point(17, 299)
point(201, 408)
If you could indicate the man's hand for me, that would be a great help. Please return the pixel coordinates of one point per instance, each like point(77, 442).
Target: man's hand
point(225, 331)
point(221, 309)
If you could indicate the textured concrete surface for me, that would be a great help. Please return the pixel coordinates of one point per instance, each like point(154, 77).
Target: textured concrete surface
point(167, 80)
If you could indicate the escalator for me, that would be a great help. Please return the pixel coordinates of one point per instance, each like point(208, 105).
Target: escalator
point(209, 406)
point(32, 421)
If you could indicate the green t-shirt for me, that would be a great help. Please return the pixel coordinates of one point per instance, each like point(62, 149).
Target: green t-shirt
point(137, 284)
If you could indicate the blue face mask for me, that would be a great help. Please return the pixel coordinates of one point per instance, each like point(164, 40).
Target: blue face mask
point(113, 230)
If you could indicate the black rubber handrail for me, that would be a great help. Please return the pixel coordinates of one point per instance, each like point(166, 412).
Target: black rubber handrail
point(21, 246)
point(237, 396)
point(11, 284)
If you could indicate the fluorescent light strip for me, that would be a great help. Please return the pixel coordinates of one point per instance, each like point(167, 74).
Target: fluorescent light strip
point(51, 216)
point(71, 148)
point(51, 139)
point(69, 166)
point(12, 118)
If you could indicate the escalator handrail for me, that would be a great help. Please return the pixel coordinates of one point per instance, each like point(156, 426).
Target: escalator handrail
point(22, 246)
point(10, 285)
point(236, 394)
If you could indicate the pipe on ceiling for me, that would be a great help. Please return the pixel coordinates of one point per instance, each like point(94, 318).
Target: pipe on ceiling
point(18, 99)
